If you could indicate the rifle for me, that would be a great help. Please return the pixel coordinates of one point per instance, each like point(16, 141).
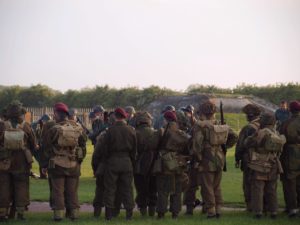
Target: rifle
point(84, 127)
point(223, 146)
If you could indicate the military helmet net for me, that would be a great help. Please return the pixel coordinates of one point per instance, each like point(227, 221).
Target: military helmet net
point(143, 118)
point(251, 109)
point(15, 109)
point(207, 108)
point(169, 108)
point(130, 109)
point(267, 119)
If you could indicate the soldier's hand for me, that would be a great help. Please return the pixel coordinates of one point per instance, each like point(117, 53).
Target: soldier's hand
point(44, 171)
point(237, 164)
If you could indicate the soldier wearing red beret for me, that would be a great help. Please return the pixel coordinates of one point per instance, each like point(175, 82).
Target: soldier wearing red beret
point(120, 142)
point(64, 150)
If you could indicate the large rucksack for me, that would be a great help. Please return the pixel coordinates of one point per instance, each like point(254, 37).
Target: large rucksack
point(217, 134)
point(14, 137)
point(67, 144)
point(270, 140)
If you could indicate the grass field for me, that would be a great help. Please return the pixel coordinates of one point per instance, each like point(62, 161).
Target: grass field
point(229, 218)
point(231, 188)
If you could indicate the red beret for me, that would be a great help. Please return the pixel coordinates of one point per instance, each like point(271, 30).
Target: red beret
point(170, 116)
point(121, 112)
point(61, 107)
point(295, 106)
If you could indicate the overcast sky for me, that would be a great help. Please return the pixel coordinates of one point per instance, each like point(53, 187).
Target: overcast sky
point(71, 44)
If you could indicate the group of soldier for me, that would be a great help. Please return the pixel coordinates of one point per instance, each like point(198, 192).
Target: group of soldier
point(173, 155)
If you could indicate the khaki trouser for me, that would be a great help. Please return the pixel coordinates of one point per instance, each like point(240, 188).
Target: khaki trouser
point(64, 193)
point(247, 187)
point(146, 191)
point(291, 190)
point(211, 192)
point(14, 187)
point(264, 193)
point(194, 183)
point(121, 181)
point(169, 186)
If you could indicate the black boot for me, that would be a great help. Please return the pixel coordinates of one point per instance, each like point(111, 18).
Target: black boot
point(151, 211)
point(97, 212)
point(3, 219)
point(108, 213)
point(20, 216)
point(258, 216)
point(129, 214)
point(160, 215)
point(115, 212)
point(143, 211)
point(174, 216)
point(189, 210)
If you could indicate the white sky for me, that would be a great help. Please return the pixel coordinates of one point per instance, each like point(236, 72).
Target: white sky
point(71, 44)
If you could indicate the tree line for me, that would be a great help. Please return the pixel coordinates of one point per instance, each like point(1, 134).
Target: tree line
point(41, 95)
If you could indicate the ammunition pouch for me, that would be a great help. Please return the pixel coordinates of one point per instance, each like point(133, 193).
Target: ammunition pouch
point(173, 162)
point(65, 158)
point(157, 165)
point(261, 162)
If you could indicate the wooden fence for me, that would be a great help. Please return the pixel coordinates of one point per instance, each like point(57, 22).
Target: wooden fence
point(34, 114)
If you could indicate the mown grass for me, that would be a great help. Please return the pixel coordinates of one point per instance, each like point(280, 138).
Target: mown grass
point(228, 218)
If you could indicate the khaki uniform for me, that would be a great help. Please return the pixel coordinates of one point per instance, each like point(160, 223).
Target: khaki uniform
point(265, 167)
point(120, 141)
point(206, 146)
point(15, 165)
point(63, 163)
point(145, 182)
point(194, 180)
point(242, 155)
point(169, 181)
point(290, 160)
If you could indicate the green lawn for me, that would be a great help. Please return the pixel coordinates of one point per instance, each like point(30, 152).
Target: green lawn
point(229, 218)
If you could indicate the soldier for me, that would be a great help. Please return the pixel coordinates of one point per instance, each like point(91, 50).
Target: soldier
point(98, 165)
point(208, 136)
point(145, 182)
point(64, 151)
point(97, 123)
point(172, 148)
point(130, 110)
point(266, 145)
point(290, 160)
point(17, 141)
point(120, 142)
point(242, 153)
point(37, 129)
point(159, 122)
point(194, 175)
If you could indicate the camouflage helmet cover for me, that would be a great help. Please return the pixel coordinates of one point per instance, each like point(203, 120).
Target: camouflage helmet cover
point(267, 119)
point(130, 109)
point(251, 109)
point(15, 109)
point(143, 118)
point(207, 108)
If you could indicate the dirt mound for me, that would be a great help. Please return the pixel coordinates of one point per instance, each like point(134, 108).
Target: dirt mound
point(231, 104)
